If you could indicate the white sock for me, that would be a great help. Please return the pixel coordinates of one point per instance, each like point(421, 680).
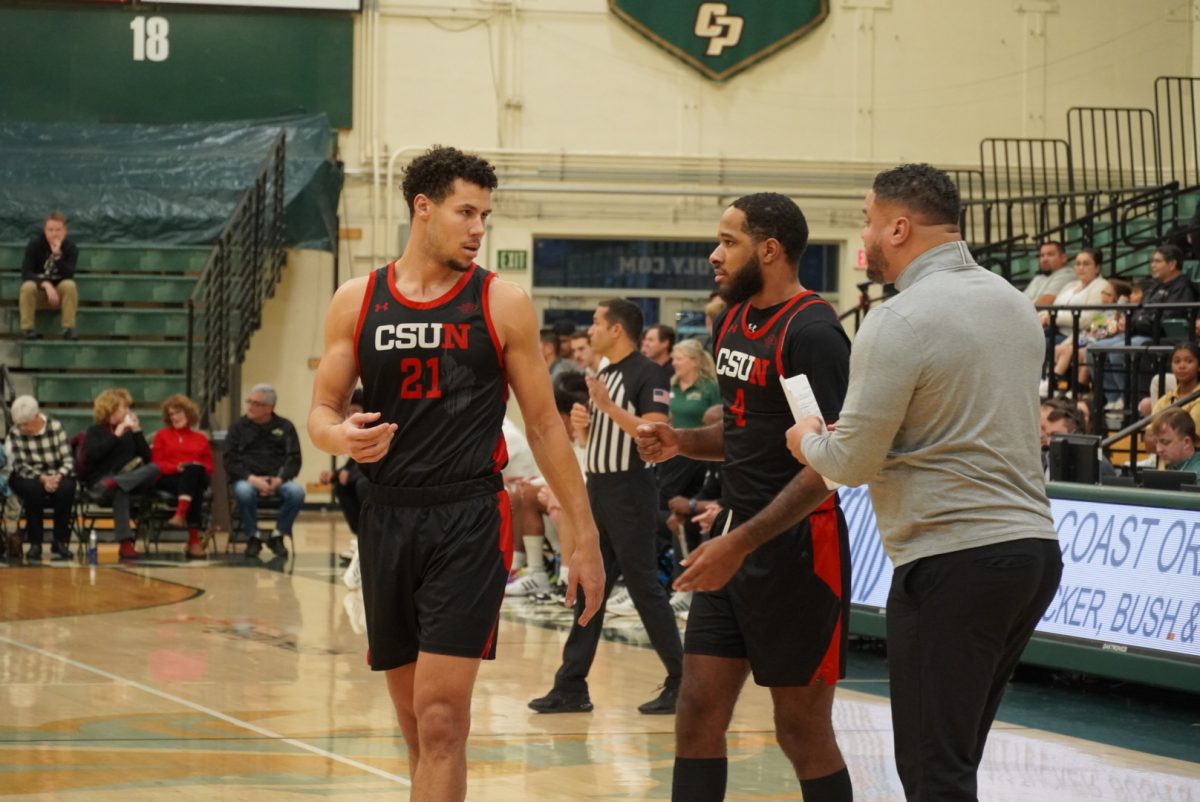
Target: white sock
point(562, 574)
point(533, 553)
point(518, 561)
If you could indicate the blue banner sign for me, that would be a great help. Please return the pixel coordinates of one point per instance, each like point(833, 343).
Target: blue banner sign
point(1131, 574)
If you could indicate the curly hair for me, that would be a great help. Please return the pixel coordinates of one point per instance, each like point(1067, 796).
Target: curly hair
point(107, 402)
point(922, 188)
point(432, 174)
point(181, 401)
point(770, 215)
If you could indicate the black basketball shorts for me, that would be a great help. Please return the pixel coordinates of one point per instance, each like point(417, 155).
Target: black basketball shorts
point(433, 577)
point(786, 611)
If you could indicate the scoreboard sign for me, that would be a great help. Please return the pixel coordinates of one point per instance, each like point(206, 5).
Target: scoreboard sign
point(167, 64)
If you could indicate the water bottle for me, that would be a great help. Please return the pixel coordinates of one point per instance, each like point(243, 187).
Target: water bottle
point(91, 548)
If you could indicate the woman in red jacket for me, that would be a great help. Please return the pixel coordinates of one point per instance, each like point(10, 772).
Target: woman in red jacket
point(186, 462)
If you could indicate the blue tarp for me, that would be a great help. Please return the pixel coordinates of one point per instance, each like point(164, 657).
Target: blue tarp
point(164, 184)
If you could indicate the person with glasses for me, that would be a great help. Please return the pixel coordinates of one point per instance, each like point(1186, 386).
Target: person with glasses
point(262, 459)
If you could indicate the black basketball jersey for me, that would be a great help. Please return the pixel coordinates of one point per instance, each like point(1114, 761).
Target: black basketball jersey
point(436, 370)
point(752, 349)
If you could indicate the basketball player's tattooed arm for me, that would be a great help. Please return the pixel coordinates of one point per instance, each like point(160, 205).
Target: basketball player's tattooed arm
point(658, 442)
point(516, 324)
point(714, 562)
point(337, 374)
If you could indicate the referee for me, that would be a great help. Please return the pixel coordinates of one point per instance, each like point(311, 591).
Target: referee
point(629, 391)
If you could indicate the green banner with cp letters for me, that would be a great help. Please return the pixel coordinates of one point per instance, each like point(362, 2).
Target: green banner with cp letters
point(722, 39)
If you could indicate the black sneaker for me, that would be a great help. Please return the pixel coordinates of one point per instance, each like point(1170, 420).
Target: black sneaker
point(30, 334)
point(253, 547)
point(277, 546)
point(34, 553)
point(60, 551)
point(664, 705)
point(69, 334)
point(560, 702)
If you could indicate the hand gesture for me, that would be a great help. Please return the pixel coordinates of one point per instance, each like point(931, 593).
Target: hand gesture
point(587, 572)
point(656, 442)
point(363, 442)
point(598, 392)
point(705, 519)
point(712, 564)
point(580, 420)
point(795, 435)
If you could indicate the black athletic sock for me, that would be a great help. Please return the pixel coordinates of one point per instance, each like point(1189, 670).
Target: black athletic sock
point(831, 788)
point(699, 779)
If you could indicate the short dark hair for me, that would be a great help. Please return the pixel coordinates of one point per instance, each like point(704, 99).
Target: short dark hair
point(432, 174)
point(570, 388)
point(922, 188)
point(1172, 253)
point(770, 215)
point(665, 332)
point(1178, 419)
point(627, 313)
point(1063, 409)
point(1058, 246)
point(1096, 255)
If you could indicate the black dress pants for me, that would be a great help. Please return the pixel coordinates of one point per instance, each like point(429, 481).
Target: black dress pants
point(34, 497)
point(957, 624)
point(625, 506)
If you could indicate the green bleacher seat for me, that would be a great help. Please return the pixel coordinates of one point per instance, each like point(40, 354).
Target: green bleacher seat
point(107, 322)
point(122, 258)
point(99, 288)
point(100, 355)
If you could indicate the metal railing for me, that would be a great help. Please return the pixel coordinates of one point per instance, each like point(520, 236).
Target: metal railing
point(225, 307)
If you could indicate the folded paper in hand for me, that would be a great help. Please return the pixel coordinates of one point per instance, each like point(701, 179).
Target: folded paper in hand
point(803, 404)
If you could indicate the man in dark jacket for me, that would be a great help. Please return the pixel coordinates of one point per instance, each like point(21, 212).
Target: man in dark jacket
point(262, 458)
point(1170, 286)
point(48, 276)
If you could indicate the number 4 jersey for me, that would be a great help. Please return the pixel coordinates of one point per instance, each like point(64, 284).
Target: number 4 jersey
point(436, 370)
point(752, 349)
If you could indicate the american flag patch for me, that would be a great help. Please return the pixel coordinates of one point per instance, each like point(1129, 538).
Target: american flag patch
point(662, 396)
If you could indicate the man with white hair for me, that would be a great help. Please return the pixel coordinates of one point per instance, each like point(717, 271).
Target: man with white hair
point(262, 459)
point(42, 475)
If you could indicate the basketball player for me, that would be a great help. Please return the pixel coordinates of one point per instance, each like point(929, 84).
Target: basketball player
point(774, 586)
point(437, 340)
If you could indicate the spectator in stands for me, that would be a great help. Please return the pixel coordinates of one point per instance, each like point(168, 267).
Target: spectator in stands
point(11, 511)
point(657, 344)
point(1185, 367)
point(1097, 326)
point(185, 461)
point(1086, 290)
point(116, 461)
point(550, 352)
point(564, 330)
point(1169, 286)
point(1051, 277)
point(582, 354)
point(1175, 441)
point(349, 484)
point(42, 475)
point(262, 459)
point(714, 307)
point(48, 276)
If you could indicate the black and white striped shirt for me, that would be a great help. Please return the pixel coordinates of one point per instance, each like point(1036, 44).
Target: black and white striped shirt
point(636, 384)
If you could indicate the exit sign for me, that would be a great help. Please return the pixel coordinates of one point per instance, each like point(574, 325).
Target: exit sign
point(512, 260)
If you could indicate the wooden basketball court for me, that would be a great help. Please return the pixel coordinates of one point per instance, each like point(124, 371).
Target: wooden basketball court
point(174, 681)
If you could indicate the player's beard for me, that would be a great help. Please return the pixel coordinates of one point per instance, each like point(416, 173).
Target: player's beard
point(744, 284)
point(458, 266)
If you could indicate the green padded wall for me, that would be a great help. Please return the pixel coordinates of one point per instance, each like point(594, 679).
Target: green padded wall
point(72, 63)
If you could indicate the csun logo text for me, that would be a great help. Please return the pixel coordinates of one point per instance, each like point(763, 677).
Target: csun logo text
point(408, 336)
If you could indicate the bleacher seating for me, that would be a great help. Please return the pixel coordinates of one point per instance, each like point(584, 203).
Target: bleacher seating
point(132, 329)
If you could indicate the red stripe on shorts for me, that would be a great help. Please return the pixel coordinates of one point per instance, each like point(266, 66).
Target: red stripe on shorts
point(827, 565)
point(506, 549)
